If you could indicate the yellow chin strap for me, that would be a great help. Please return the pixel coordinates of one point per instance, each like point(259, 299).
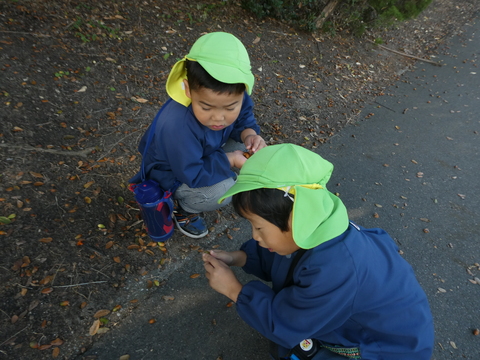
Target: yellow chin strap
point(291, 189)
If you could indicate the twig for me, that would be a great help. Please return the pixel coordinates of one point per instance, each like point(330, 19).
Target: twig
point(326, 13)
point(82, 153)
point(24, 33)
point(11, 337)
point(73, 285)
point(407, 55)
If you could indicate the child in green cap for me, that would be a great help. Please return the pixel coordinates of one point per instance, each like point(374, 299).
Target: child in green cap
point(338, 290)
point(210, 90)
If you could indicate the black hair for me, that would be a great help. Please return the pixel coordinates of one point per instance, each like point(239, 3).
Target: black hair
point(198, 77)
point(270, 204)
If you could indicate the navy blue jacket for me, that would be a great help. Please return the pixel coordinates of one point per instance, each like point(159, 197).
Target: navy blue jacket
point(352, 291)
point(186, 150)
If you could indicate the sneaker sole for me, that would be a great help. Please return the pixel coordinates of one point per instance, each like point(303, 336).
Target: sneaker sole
point(187, 233)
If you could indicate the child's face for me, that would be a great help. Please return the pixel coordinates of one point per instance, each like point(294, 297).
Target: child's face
point(270, 236)
point(214, 110)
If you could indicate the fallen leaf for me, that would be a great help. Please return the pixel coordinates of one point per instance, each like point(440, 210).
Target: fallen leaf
point(152, 321)
point(57, 342)
point(117, 259)
point(124, 357)
point(37, 175)
point(82, 89)
point(453, 345)
point(47, 290)
point(101, 313)
point(168, 298)
point(44, 347)
point(46, 240)
point(88, 184)
point(94, 328)
point(88, 200)
point(257, 40)
point(140, 100)
point(56, 352)
point(102, 330)
point(193, 276)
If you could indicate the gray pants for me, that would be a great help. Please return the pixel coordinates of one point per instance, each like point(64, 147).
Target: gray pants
point(195, 200)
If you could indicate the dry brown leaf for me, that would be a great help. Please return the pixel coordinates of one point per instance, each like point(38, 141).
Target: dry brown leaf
point(44, 347)
point(193, 276)
point(109, 244)
point(57, 342)
point(124, 357)
point(94, 328)
point(37, 175)
point(46, 240)
point(101, 313)
point(88, 184)
point(88, 200)
point(152, 321)
point(16, 129)
point(47, 290)
point(55, 352)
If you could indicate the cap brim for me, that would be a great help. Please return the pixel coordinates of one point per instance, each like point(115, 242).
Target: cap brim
point(229, 75)
point(238, 188)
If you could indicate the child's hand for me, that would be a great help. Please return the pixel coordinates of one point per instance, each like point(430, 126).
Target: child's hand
point(253, 143)
point(233, 258)
point(221, 278)
point(222, 255)
point(236, 158)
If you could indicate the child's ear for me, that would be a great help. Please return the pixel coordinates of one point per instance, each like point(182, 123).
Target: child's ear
point(187, 89)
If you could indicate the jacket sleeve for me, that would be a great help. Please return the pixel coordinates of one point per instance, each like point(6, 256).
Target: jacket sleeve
point(316, 304)
point(245, 120)
point(182, 150)
point(259, 260)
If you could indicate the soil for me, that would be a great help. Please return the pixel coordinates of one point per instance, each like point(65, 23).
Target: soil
point(81, 80)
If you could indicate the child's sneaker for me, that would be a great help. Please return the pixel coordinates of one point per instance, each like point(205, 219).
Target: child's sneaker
point(190, 224)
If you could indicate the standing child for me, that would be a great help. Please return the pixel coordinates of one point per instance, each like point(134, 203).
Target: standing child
point(210, 89)
point(338, 290)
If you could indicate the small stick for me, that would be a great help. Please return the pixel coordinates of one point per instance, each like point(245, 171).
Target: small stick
point(73, 285)
point(13, 336)
point(407, 55)
point(24, 33)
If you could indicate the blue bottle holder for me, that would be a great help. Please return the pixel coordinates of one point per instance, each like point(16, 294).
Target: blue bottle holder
point(156, 207)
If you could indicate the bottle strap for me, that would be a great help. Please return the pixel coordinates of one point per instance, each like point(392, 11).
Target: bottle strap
point(289, 279)
point(151, 132)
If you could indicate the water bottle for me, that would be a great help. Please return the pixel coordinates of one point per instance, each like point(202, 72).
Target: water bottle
point(156, 207)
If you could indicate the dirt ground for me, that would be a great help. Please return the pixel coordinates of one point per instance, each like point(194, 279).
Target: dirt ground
point(81, 80)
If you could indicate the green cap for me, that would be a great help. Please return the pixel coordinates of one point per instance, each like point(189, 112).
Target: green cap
point(222, 55)
point(318, 215)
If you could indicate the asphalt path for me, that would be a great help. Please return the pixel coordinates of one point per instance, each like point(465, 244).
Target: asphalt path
point(411, 165)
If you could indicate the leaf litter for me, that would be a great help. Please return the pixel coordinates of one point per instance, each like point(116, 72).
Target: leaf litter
point(76, 111)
